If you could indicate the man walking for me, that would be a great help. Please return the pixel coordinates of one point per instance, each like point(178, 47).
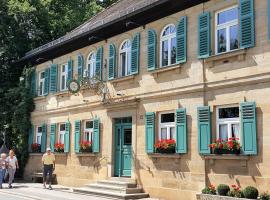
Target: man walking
point(48, 161)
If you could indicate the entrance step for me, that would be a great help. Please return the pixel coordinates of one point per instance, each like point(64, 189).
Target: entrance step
point(119, 188)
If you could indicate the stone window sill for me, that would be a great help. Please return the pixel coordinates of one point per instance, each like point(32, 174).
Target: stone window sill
point(176, 68)
point(39, 98)
point(122, 79)
point(85, 154)
point(61, 154)
point(239, 54)
point(61, 93)
point(241, 158)
point(35, 154)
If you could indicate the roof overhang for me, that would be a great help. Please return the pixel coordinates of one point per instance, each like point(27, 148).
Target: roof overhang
point(141, 17)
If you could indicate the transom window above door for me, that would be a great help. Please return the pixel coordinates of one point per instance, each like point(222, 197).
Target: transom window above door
point(168, 46)
point(226, 31)
point(63, 77)
point(166, 125)
point(88, 130)
point(228, 122)
point(91, 64)
point(41, 84)
point(125, 59)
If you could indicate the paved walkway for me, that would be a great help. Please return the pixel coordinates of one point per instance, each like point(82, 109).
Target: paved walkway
point(35, 191)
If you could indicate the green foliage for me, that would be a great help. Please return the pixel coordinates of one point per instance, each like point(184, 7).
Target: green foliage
point(209, 190)
point(250, 192)
point(223, 189)
point(265, 196)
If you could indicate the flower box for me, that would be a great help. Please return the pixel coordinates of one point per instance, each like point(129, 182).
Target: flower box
point(232, 146)
point(165, 146)
point(86, 147)
point(59, 148)
point(36, 148)
point(216, 197)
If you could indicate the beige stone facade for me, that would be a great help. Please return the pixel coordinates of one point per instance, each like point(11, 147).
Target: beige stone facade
point(226, 79)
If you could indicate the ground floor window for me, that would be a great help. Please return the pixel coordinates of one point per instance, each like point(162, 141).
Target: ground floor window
point(88, 130)
point(228, 122)
point(61, 133)
point(166, 125)
point(38, 134)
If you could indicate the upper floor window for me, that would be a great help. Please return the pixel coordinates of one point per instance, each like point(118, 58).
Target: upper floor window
point(91, 64)
point(41, 83)
point(63, 77)
point(88, 130)
point(227, 38)
point(39, 134)
point(168, 46)
point(125, 58)
point(61, 133)
point(167, 126)
point(228, 123)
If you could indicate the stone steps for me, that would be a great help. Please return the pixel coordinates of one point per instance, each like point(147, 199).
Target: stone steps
point(119, 188)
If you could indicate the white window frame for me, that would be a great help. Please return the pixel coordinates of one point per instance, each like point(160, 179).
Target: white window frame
point(169, 39)
point(227, 27)
point(126, 51)
point(91, 64)
point(39, 134)
point(227, 121)
point(61, 133)
point(41, 80)
point(89, 130)
point(63, 74)
point(166, 125)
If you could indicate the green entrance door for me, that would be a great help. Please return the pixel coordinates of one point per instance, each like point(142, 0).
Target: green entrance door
point(123, 147)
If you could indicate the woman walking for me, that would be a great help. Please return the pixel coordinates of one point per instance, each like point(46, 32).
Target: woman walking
point(3, 165)
point(12, 166)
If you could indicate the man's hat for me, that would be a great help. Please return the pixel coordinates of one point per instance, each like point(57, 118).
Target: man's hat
point(48, 149)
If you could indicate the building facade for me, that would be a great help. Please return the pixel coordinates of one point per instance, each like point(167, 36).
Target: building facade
point(194, 75)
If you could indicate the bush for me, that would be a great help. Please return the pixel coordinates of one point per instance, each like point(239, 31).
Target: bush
point(236, 192)
point(209, 190)
point(223, 189)
point(250, 192)
point(265, 196)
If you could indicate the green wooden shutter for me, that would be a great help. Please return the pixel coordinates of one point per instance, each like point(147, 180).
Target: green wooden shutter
point(112, 61)
point(150, 131)
point(80, 67)
point(268, 11)
point(204, 129)
point(135, 54)
point(70, 71)
point(44, 138)
point(77, 136)
point(181, 131)
point(30, 138)
point(204, 37)
point(67, 138)
point(248, 128)
point(181, 35)
point(52, 136)
point(53, 78)
point(99, 62)
point(33, 84)
point(96, 137)
point(46, 82)
point(151, 50)
point(247, 29)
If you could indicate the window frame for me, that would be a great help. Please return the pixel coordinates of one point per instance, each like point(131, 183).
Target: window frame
point(167, 125)
point(61, 133)
point(226, 26)
point(91, 64)
point(169, 39)
point(63, 74)
point(127, 51)
point(39, 134)
point(89, 130)
point(227, 121)
point(41, 80)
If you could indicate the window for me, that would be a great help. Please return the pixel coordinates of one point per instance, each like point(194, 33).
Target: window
point(227, 38)
point(167, 126)
point(228, 123)
point(168, 46)
point(63, 78)
point(61, 135)
point(88, 130)
point(91, 65)
point(41, 83)
point(125, 59)
point(39, 134)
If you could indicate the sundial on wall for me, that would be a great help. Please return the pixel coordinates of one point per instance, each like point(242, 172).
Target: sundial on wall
point(74, 86)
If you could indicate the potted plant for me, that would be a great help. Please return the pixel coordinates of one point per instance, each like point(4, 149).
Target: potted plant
point(211, 189)
point(86, 147)
point(59, 148)
point(217, 147)
point(36, 148)
point(165, 146)
point(236, 192)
